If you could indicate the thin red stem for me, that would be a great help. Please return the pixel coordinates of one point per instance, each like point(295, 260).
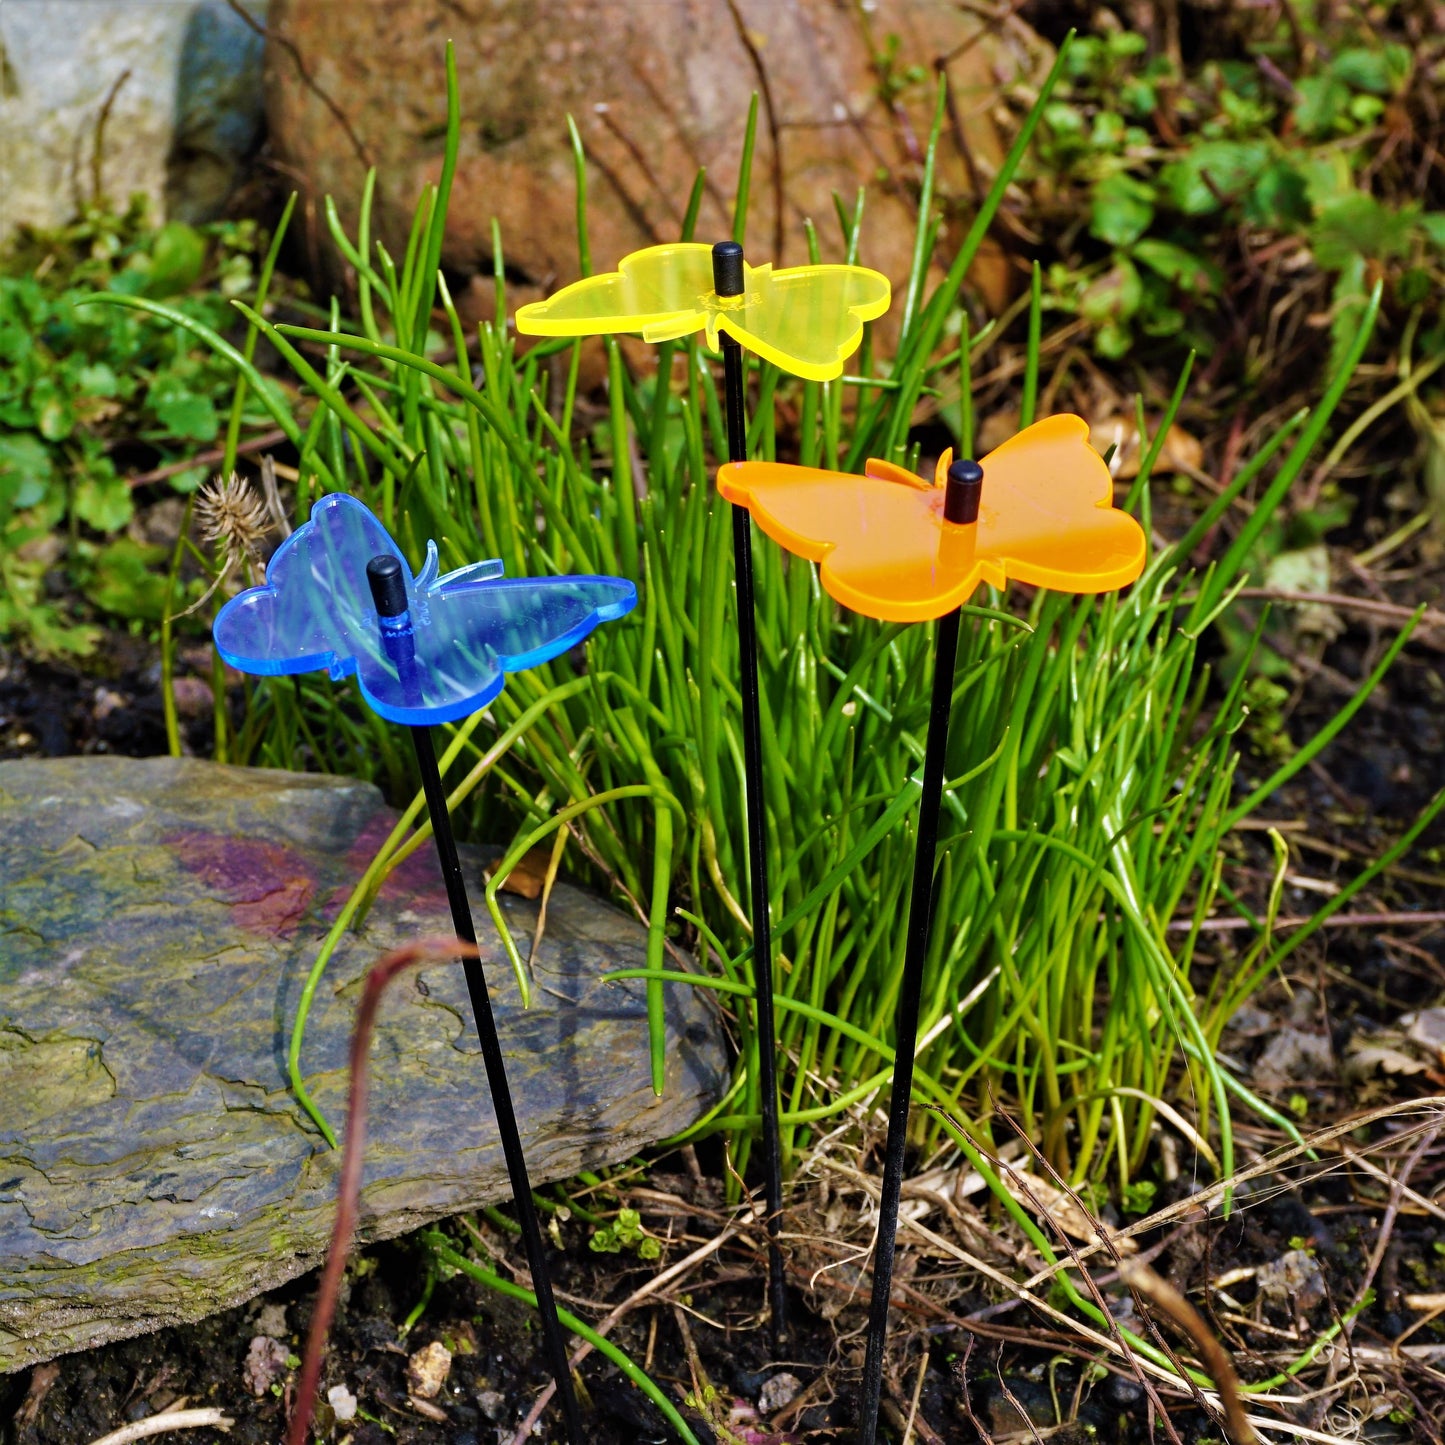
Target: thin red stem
point(348, 1192)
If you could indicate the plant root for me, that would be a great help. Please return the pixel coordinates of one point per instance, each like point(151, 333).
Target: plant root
point(207, 1419)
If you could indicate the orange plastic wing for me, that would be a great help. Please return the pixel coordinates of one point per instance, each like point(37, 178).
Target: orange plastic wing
point(884, 549)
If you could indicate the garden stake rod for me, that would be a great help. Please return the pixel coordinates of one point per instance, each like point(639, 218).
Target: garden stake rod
point(389, 593)
point(424, 648)
point(960, 506)
point(728, 280)
point(806, 320)
point(893, 547)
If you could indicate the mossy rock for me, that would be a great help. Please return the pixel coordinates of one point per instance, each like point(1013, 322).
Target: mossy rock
point(157, 921)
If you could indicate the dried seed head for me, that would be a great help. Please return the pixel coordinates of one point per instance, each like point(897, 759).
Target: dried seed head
point(233, 518)
point(231, 515)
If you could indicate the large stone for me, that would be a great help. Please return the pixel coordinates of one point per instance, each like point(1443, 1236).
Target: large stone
point(656, 91)
point(157, 919)
point(180, 124)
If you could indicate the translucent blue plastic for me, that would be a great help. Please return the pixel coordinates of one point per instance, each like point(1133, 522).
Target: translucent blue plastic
point(445, 659)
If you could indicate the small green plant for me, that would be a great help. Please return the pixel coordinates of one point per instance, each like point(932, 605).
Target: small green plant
point(1264, 729)
point(1168, 167)
point(625, 1232)
point(1138, 1196)
point(76, 381)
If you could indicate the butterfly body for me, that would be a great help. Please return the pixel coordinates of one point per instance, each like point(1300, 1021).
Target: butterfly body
point(885, 550)
point(468, 629)
point(806, 319)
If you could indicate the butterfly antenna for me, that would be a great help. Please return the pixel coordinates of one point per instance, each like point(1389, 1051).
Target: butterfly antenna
point(388, 591)
point(730, 279)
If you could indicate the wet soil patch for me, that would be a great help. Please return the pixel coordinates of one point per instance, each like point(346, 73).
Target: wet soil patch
point(110, 703)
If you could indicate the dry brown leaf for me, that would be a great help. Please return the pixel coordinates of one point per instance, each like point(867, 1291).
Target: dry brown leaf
point(1049, 1201)
point(528, 875)
point(1426, 1030)
point(1181, 452)
point(1367, 1052)
point(1413, 1046)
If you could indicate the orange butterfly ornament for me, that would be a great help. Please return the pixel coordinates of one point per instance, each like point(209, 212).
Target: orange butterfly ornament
point(1045, 515)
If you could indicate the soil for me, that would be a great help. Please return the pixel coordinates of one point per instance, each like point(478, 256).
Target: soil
point(111, 704)
point(494, 1371)
point(990, 1374)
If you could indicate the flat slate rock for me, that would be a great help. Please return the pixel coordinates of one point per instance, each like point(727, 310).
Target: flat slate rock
point(157, 921)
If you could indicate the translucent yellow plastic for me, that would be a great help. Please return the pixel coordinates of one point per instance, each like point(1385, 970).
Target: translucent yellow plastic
point(1046, 517)
point(806, 319)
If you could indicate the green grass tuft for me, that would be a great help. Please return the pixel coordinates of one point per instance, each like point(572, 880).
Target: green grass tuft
point(1092, 759)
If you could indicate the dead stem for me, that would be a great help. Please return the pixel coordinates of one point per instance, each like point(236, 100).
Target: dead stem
point(1013, 1400)
point(1398, 1185)
point(694, 1360)
point(1432, 1107)
point(205, 1419)
point(658, 1282)
point(913, 1423)
point(1017, 1178)
point(348, 1189)
point(1160, 1293)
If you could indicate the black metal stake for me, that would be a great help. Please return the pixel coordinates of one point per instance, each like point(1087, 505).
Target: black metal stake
point(727, 270)
point(388, 590)
point(965, 483)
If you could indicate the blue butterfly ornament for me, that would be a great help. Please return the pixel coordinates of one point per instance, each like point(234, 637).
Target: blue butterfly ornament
point(445, 658)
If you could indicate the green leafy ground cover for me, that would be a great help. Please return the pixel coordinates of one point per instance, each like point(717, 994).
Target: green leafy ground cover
point(1302, 140)
point(76, 386)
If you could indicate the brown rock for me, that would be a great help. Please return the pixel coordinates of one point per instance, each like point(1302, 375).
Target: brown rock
point(657, 91)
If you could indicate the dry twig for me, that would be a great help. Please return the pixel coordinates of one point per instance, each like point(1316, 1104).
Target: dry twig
point(657, 1282)
point(348, 1189)
point(208, 1419)
point(1159, 1292)
point(1431, 1107)
point(1398, 1185)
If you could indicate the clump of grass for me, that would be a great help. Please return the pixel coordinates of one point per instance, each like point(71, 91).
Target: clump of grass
point(1091, 766)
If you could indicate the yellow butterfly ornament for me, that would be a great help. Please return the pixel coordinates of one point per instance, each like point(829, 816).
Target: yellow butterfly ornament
point(806, 319)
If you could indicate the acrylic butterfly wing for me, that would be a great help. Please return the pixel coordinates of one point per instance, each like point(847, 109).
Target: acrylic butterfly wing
point(315, 609)
point(806, 319)
point(884, 549)
point(469, 634)
point(468, 629)
point(661, 291)
point(1048, 514)
point(879, 540)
